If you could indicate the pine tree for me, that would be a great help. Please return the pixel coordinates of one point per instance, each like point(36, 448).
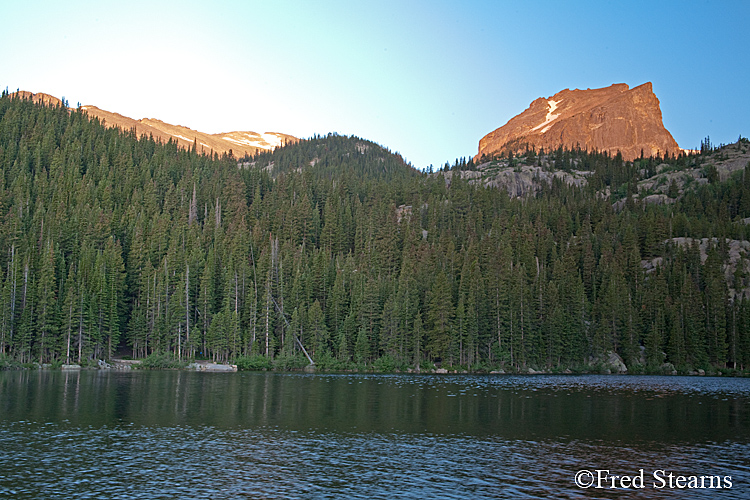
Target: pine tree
point(440, 318)
point(46, 304)
point(319, 332)
point(362, 346)
point(715, 293)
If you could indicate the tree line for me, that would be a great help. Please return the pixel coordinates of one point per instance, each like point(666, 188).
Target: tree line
point(336, 246)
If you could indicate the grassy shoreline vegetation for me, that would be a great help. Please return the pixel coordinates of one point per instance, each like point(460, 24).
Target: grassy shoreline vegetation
point(336, 247)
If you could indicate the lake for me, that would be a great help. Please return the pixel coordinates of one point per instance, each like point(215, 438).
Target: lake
point(185, 435)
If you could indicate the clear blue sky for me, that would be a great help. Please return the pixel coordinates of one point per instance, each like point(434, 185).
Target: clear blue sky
point(427, 79)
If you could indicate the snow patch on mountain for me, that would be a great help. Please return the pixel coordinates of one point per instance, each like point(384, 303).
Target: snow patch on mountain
point(551, 116)
point(272, 138)
point(246, 142)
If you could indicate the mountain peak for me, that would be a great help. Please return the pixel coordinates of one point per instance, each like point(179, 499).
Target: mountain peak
point(612, 119)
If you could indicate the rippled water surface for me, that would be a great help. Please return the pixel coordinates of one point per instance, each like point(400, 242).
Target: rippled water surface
point(227, 435)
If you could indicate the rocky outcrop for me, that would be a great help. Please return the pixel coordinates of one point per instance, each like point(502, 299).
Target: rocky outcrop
point(728, 159)
point(212, 367)
point(609, 363)
point(519, 181)
point(611, 119)
point(124, 364)
point(670, 182)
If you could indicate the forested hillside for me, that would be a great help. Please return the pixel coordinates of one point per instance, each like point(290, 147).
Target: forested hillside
point(111, 242)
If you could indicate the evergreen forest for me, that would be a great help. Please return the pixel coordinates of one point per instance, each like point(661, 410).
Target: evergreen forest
point(337, 249)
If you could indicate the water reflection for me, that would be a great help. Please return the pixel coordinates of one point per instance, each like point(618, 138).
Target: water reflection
point(617, 409)
point(265, 435)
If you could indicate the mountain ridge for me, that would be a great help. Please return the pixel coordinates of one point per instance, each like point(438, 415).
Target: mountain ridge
point(240, 143)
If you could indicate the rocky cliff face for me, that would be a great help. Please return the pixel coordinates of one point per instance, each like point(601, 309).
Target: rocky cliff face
point(611, 119)
point(240, 143)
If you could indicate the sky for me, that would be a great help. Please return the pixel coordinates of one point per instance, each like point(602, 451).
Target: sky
point(427, 79)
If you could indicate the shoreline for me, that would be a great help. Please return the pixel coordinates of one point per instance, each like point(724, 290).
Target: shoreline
point(210, 367)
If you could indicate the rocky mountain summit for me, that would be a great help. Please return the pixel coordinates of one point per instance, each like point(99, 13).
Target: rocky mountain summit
point(241, 143)
point(610, 119)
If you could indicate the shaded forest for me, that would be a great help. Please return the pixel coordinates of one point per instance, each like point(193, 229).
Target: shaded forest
point(335, 245)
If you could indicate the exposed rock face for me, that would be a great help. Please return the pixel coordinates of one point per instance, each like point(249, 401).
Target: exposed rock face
point(725, 162)
point(519, 182)
point(240, 143)
point(611, 119)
